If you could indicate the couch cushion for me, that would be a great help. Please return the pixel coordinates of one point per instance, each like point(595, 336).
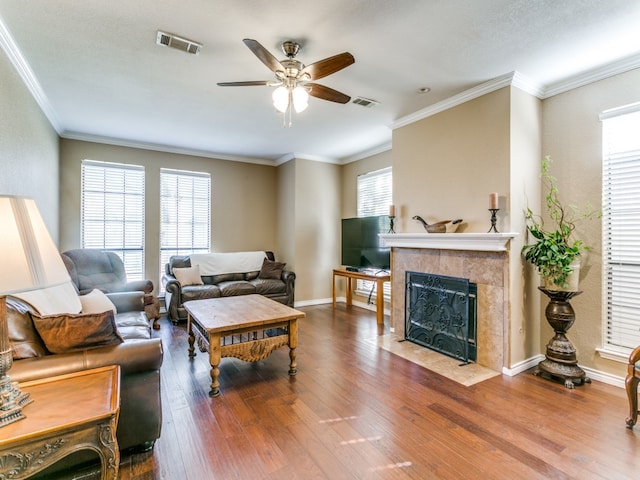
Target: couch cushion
point(198, 292)
point(271, 269)
point(269, 286)
point(67, 332)
point(230, 289)
point(133, 326)
point(96, 302)
point(188, 275)
point(25, 340)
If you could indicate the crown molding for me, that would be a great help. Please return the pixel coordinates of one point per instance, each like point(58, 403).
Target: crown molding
point(615, 68)
point(463, 97)
point(385, 147)
point(26, 74)
point(163, 148)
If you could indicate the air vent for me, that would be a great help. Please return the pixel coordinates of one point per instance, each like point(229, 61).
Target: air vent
point(179, 43)
point(365, 102)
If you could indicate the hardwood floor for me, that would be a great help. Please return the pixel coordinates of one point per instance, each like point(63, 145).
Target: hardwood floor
point(355, 411)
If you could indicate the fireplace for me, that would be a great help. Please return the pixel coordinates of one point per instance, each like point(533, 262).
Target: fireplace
point(483, 259)
point(441, 314)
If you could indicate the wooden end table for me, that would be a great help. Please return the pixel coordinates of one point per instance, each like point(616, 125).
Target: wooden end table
point(70, 412)
point(379, 278)
point(236, 326)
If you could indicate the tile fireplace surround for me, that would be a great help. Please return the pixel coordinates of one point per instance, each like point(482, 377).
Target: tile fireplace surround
point(483, 258)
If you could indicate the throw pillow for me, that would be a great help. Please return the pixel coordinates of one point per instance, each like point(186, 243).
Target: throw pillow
point(188, 276)
point(68, 332)
point(271, 269)
point(96, 302)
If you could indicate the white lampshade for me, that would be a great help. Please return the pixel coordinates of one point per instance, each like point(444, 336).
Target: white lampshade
point(281, 99)
point(300, 99)
point(30, 259)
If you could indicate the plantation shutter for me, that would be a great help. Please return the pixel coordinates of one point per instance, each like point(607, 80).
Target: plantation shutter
point(112, 212)
point(621, 228)
point(374, 195)
point(185, 214)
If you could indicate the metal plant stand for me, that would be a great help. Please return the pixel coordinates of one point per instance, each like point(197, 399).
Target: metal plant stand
point(560, 359)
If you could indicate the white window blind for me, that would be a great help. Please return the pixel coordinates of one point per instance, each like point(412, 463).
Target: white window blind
point(374, 195)
point(113, 212)
point(185, 214)
point(621, 230)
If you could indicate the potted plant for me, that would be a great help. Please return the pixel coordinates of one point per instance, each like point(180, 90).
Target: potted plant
point(555, 252)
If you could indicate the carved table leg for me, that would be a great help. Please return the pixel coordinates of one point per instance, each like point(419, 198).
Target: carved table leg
point(215, 356)
point(192, 338)
point(109, 451)
point(293, 343)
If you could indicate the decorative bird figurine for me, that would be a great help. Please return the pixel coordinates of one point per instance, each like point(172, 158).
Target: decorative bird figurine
point(438, 227)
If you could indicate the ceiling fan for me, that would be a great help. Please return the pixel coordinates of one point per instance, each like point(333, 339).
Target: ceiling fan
point(294, 80)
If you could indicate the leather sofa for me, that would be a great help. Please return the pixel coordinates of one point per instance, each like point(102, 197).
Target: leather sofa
point(139, 357)
point(92, 268)
point(281, 289)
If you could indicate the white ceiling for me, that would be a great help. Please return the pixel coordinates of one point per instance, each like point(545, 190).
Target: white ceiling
point(97, 72)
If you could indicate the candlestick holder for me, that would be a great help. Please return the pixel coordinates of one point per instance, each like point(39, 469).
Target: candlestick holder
point(391, 219)
point(493, 228)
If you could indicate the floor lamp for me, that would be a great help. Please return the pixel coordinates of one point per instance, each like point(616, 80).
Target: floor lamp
point(30, 260)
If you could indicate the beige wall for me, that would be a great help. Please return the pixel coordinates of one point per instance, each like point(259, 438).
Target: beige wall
point(316, 228)
point(445, 166)
point(28, 147)
point(572, 135)
point(525, 152)
point(243, 198)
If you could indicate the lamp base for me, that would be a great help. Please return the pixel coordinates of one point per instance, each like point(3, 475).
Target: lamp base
point(12, 400)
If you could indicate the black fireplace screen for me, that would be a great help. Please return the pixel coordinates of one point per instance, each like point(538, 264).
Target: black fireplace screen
point(441, 314)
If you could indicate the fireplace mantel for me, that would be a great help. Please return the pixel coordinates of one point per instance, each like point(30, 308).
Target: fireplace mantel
point(486, 242)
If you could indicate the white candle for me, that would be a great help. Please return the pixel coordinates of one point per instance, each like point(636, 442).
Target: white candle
point(493, 201)
point(392, 210)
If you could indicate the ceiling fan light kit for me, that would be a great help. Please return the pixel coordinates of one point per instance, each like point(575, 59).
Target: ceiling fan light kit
point(293, 78)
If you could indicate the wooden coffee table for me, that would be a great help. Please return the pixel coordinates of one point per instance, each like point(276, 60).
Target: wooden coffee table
point(68, 413)
point(248, 327)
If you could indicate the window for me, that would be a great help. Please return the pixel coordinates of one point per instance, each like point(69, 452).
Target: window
point(374, 195)
point(185, 214)
point(621, 228)
point(113, 212)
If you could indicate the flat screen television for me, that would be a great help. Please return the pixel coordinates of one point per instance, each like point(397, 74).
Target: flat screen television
point(361, 245)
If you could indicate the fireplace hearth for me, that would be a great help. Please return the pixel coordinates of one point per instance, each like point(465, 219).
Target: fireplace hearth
point(441, 314)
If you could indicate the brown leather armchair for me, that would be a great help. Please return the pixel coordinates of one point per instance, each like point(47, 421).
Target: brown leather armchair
point(631, 383)
point(97, 269)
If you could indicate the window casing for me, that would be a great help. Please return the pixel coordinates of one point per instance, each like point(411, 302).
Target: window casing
point(374, 195)
point(621, 229)
point(185, 214)
point(112, 212)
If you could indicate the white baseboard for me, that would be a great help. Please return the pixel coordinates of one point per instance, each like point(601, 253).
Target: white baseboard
point(597, 375)
point(522, 366)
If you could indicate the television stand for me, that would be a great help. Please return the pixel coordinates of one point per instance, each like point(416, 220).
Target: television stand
point(379, 278)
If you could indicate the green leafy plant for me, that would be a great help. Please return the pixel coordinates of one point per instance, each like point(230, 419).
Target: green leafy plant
point(554, 249)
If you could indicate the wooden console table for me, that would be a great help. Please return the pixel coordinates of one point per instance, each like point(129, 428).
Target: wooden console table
point(70, 412)
point(379, 278)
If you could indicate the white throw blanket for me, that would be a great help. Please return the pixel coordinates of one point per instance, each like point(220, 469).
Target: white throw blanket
point(53, 300)
point(232, 262)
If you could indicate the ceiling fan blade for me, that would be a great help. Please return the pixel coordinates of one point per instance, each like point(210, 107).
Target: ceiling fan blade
point(328, 66)
point(255, 83)
point(264, 55)
point(326, 93)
